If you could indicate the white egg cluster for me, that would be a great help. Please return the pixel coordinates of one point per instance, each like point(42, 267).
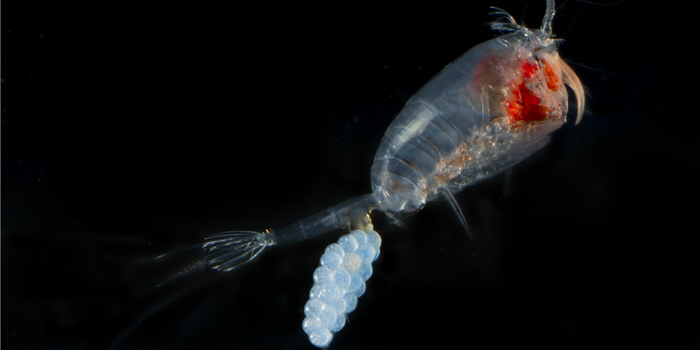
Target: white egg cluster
point(338, 282)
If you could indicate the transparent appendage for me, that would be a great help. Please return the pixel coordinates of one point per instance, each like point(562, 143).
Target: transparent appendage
point(338, 282)
point(228, 250)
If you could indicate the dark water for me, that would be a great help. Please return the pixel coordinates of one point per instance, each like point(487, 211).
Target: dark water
point(131, 130)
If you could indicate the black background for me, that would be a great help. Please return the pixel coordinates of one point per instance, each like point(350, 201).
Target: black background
point(134, 129)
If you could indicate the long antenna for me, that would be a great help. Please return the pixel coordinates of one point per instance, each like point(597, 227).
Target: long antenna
point(547, 21)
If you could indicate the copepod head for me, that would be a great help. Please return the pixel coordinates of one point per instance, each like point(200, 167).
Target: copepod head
point(536, 50)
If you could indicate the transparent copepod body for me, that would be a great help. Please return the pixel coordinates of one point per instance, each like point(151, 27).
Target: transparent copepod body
point(483, 113)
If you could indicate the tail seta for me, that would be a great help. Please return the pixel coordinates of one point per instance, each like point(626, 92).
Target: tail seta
point(227, 250)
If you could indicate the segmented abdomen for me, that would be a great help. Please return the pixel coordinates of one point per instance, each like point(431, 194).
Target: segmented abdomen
point(410, 156)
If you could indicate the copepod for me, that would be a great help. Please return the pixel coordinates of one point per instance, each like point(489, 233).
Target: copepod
point(483, 113)
point(488, 110)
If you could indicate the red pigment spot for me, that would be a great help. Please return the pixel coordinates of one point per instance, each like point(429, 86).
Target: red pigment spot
point(525, 105)
point(528, 68)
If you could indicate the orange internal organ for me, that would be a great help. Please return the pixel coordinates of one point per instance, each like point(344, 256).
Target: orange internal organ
point(552, 78)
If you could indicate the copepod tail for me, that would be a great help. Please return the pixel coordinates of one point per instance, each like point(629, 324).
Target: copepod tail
point(227, 250)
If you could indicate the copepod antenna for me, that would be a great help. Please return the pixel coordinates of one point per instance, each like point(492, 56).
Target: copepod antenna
point(547, 20)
